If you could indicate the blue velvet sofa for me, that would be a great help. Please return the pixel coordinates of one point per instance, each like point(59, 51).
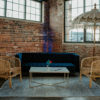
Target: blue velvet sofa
point(69, 60)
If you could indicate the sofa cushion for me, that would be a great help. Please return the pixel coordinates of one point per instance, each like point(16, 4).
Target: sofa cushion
point(34, 64)
point(51, 65)
point(62, 65)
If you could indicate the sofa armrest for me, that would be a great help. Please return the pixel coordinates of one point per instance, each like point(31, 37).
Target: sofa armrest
point(19, 55)
point(76, 61)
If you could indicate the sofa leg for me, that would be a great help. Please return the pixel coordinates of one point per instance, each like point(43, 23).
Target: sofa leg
point(80, 76)
point(20, 76)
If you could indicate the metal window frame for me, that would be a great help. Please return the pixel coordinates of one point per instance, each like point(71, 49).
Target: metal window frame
point(5, 11)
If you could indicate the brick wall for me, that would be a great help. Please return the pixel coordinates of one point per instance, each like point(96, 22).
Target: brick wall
point(20, 36)
point(57, 22)
point(57, 25)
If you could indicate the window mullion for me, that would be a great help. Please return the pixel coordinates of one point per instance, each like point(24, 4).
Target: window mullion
point(41, 12)
point(84, 35)
point(84, 9)
point(25, 10)
point(5, 8)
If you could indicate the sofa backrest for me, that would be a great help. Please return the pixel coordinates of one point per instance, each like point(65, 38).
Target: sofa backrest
point(34, 57)
point(43, 57)
point(61, 57)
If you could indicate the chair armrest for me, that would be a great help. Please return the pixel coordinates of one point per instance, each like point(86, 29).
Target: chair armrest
point(15, 62)
point(95, 67)
point(86, 63)
point(4, 67)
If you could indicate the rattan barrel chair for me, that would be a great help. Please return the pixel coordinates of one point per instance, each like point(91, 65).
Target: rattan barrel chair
point(88, 66)
point(10, 67)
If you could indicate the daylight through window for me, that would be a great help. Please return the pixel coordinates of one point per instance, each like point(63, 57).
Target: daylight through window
point(22, 9)
point(73, 8)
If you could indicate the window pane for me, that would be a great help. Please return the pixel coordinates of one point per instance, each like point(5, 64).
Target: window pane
point(28, 10)
point(80, 3)
point(37, 12)
point(33, 4)
point(9, 0)
point(73, 34)
point(73, 37)
point(37, 18)
point(33, 17)
point(88, 2)
point(1, 3)
point(81, 38)
point(28, 16)
point(9, 5)
point(15, 1)
point(80, 35)
point(67, 21)
point(74, 3)
point(15, 14)
point(33, 10)
point(89, 35)
point(95, 2)
point(9, 13)
point(21, 8)
point(88, 8)
point(22, 2)
point(21, 15)
point(74, 13)
point(28, 2)
point(80, 11)
point(68, 5)
point(37, 5)
point(15, 7)
point(1, 12)
point(97, 36)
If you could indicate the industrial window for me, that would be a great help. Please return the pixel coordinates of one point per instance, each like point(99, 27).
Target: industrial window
point(73, 8)
point(21, 9)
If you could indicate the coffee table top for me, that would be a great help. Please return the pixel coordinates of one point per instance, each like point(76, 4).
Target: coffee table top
point(48, 70)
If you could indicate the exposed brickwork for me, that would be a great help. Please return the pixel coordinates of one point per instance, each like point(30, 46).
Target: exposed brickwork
point(57, 22)
point(20, 36)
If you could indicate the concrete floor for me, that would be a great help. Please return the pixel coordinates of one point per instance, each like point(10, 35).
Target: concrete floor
point(51, 98)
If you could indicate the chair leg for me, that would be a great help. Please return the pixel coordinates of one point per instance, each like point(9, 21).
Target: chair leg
point(94, 78)
point(20, 76)
point(80, 76)
point(90, 82)
point(10, 82)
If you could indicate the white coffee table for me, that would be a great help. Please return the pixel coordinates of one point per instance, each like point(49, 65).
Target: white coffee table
point(51, 70)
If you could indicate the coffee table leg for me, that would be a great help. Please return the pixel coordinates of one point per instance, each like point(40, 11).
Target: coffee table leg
point(68, 77)
point(30, 79)
point(64, 76)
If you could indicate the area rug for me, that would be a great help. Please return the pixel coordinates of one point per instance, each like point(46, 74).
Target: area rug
point(73, 87)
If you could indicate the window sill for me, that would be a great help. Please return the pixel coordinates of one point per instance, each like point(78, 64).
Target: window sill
point(67, 43)
point(23, 20)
